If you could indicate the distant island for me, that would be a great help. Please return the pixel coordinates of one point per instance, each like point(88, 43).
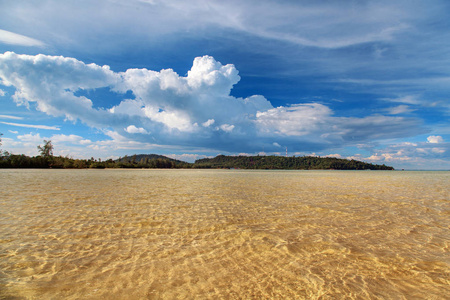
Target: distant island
point(163, 162)
point(286, 163)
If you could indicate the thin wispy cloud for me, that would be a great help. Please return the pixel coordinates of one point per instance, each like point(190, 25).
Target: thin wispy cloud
point(12, 38)
point(10, 117)
point(400, 109)
point(31, 126)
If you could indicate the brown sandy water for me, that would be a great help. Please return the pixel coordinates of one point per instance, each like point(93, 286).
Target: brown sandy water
point(216, 234)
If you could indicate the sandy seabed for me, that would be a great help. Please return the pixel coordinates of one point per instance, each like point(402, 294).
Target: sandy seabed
point(219, 234)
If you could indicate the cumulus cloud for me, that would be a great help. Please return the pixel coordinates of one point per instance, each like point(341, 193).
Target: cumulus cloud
point(71, 138)
point(227, 127)
point(134, 129)
point(31, 137)
point(435, 139)
point(50, 83)
point(173, 110)
point(208, 74)
point(208, 123)
point(296, 120)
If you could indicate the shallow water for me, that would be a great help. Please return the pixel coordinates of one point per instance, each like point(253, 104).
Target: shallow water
point(216, 234)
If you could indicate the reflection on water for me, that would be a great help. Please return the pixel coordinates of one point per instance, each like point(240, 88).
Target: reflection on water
point(133, 234)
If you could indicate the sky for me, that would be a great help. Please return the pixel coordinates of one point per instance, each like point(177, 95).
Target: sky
point(365, 80)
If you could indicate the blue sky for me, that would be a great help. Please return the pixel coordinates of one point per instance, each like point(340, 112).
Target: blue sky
point(368, 80)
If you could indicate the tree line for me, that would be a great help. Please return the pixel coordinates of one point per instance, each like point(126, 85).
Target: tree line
point(286, 163)
point(46, 159)
point(61, 162)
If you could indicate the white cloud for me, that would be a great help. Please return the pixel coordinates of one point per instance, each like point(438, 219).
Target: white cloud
point(12, 38)
point(50, 82)
point(2, 93)
point(438, 150)
point(210, 75)
point(174, 119)
point(315, 123)
point(435, 139)
point(32, 126)
point(129, 107)
point(408, 99)
point(10, 117)
point(85, 142)
point(29, 137)
point(208, 123)
point(227, 127)
point(134, 129)
point(296, 120)
point(23, 144)
point(72, 138)
point(388, 157)
point(401, 109)
point(407, 155)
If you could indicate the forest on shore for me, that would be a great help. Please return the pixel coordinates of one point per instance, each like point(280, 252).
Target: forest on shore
point(46, 159)
point(286, 163)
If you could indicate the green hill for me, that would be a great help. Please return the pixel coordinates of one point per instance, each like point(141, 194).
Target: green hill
point(286, 163)
point(150, 161)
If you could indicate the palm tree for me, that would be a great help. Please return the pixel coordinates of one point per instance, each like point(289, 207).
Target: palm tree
point(47, 149)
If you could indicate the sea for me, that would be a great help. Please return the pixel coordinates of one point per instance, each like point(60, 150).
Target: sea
point(224, 234)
